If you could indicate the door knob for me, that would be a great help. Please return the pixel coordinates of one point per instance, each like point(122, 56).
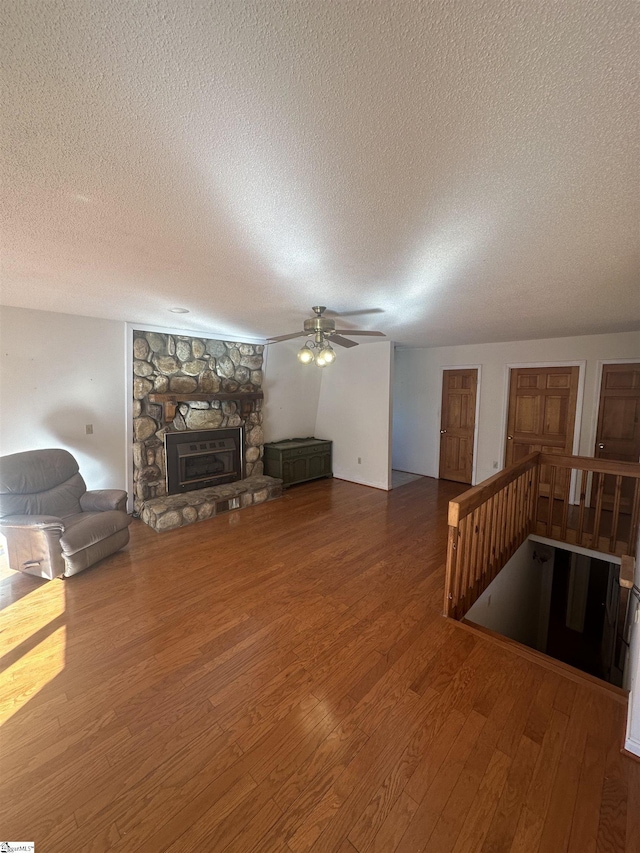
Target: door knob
point(510, 437)
point(442, 431)
point(601, 446)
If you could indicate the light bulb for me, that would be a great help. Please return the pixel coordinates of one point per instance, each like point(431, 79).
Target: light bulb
point(328, 355)
point(305, 355)
point(321, 360)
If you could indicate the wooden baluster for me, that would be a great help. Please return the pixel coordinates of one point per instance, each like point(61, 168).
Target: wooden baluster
point(616, 515)
point(504, 524)
point(486, 545)
point(493, 521)
point(583, 498)
point(518, 513)
point(516, 510)
point(552, 497)
point(512, 519)
point(510, 526)
point(460, 558)
point(449, 582)
point(522, 512)
point(475, 530)
point(566, 497)
point(595, 536)
point(463, 543)
point(481, 568)
point(493, 503)
point(535, 488)
point(527, 503)
point(499, 527)
point(457, 578)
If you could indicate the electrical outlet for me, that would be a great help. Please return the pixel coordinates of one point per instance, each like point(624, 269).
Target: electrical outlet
point(495, 465)
point(89, 429)
point(359, 460)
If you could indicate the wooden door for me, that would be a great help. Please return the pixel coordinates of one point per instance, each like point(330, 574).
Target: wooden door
point(457, 425)
point(542, 416)
point(618, 432)
point(542, 411)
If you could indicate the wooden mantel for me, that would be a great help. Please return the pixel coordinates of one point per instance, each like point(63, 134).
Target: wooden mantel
point(170, 402)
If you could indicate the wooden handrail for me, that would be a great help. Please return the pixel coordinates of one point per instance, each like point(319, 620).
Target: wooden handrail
point(588, 463)
point(472, 498)
point(489, 522)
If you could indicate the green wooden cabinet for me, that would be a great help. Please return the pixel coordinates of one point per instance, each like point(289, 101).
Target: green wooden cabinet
point(296, 460)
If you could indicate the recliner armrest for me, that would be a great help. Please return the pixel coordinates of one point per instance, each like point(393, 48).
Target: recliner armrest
point(100, 500)
point(39, 522)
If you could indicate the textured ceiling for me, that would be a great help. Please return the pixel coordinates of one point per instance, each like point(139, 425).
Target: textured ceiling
point(468, 168)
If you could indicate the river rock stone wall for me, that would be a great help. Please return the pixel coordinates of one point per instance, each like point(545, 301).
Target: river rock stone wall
point(179, 364)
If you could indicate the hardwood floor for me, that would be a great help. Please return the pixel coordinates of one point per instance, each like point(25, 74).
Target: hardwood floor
point(281, 680)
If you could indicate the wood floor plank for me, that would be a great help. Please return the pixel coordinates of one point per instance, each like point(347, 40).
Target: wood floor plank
point(633, 808)
point(466, 793)
point(528, 833)
point(255, 683)
point(504, 822)
point(557, 826)
point(541, 787)
point(612, 827)
point(586, 814)
point(433, 800)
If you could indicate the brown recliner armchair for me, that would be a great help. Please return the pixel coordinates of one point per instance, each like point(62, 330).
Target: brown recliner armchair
point(54, 527)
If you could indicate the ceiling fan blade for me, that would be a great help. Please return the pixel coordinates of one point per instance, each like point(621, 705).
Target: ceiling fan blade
point(287, 337)
point(354, 313)
point(342, 342)
point(359, 332)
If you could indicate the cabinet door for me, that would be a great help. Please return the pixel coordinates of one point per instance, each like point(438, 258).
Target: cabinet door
point(319, 464)
point(295, 469)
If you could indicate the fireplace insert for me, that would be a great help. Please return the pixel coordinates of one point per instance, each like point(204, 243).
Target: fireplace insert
point(201, 458)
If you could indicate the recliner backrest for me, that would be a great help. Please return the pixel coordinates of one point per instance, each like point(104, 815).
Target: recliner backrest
point(40, 482)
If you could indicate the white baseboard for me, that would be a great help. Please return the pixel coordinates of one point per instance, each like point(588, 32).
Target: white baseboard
point(633, 746)
point(360, 482)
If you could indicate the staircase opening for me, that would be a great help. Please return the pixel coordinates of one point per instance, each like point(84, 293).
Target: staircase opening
point(564, 604)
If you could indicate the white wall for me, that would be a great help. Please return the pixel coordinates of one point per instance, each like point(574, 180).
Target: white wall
point(59, 372)
point(291, 392)
point(418, 389)
point(632, 675)
point(354, 411)
point(510, 605)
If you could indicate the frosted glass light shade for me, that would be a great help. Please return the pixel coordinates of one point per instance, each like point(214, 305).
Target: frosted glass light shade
point(305, 355)
point(328, 355)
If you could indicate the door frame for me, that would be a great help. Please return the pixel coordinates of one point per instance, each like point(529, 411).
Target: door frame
point(581, 364)
point(478, 367)
point(598, 389)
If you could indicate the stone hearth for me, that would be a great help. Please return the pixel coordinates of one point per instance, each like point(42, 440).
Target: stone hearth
point(174, 511)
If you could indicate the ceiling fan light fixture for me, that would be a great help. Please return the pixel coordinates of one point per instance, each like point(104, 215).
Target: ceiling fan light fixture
point(322, 332)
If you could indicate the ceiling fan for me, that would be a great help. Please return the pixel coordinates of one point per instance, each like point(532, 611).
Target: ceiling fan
point(324, 333)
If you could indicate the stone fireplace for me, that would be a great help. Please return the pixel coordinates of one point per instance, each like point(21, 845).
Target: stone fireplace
point(193, 385)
